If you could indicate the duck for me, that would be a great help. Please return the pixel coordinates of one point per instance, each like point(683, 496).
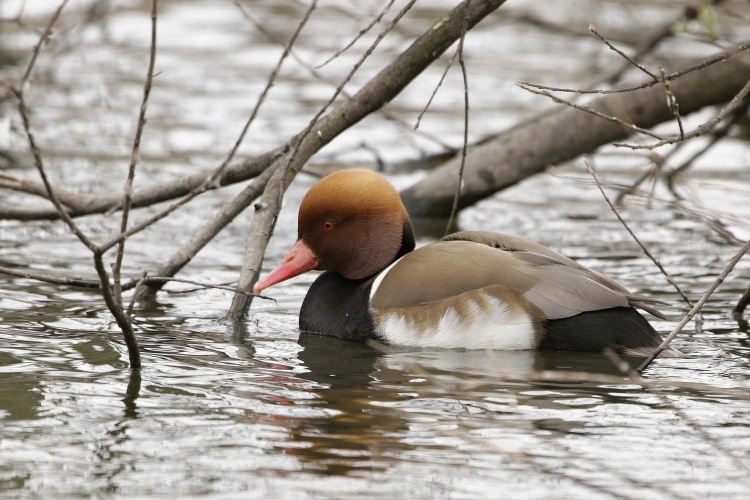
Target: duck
point(468, 290)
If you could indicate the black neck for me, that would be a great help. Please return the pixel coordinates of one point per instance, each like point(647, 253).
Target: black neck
point(338, 307)
point(407, 240)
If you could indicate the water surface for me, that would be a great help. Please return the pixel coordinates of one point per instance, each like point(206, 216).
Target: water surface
point(262, 412)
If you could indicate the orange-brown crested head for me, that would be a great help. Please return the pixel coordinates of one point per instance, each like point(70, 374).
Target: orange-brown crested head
point(353, 221)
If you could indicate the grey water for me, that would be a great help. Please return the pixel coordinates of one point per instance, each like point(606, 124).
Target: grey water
point(263, 411)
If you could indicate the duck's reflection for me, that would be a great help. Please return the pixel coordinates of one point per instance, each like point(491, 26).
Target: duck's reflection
point(335, 362)
point(375, 398)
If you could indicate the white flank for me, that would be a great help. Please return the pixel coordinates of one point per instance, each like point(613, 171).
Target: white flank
point(490, 326)
point(380, 277)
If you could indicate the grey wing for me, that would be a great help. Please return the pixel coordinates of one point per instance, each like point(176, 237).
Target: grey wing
point(581, 290)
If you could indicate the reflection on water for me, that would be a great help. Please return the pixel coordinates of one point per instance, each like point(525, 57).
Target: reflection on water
point(262, 412)
point(217, 413)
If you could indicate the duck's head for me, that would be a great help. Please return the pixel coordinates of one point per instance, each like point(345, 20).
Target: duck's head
point(352, 222)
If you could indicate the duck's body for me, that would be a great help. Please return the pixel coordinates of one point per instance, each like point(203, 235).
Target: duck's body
point(469, 290)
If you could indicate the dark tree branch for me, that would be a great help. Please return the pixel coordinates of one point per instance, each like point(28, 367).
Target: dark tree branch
point(521, 152)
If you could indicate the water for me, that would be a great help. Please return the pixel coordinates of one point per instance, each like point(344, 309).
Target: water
point(262, 412)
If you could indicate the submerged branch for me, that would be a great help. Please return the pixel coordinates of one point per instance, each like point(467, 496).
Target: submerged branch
point(742, 304)
point(79, 204)
point(560, 135)
point(46, 278)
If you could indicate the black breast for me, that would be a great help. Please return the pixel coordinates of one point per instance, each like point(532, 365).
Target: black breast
point(338, 307)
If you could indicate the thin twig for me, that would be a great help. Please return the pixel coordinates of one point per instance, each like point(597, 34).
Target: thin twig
point(701, 129)
point(155, 279)
point(662, 32)
point(135, 157)
point(123, 321)
point(622, 54)
point(38, 47)
point(361, 33)
point(674, 106)
point(718, 58)
point(637, 240)
point(698, 306)
point(588, 109)
point(651, 172)
point(716, 135)
point(35, 150)
point(465, 149)
point(315, 73)
point(435, 90)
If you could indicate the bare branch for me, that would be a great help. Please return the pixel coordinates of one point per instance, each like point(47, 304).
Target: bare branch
point(517, 153)
point(673, 105)
point(134, 157)
point(361, 33)
point(465, 149)
point(45, 278)
point(206, 233)
point(716, 135)
point(588, 109)
point(167, 279)
point(35, 151)
point(373, 95)
point(38, 47)
point(119, 314)
point(84, 204)
point(635, 238)
point(718, 58)
point(700, 130)
point(622, 54)
point(698, 306)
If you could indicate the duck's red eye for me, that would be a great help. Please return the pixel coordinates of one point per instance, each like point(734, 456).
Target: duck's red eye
point(328, 225)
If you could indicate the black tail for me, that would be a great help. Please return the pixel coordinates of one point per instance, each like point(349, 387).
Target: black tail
point(621, 328)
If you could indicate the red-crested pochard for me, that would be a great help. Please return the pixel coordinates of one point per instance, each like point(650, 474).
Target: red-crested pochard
point(470, 290)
